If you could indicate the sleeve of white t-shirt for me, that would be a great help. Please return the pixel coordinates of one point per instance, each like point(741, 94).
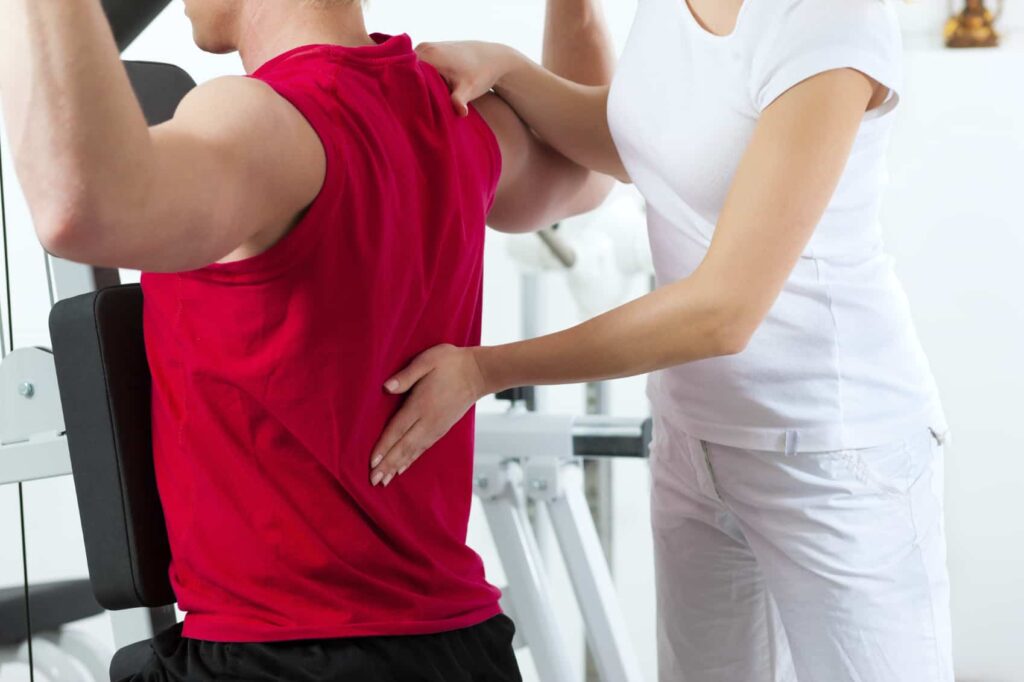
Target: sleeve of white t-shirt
point(809, 37)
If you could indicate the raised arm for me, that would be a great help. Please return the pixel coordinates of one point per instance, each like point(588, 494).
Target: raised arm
point(577, 45)
point(540, 186)
point(105, 189)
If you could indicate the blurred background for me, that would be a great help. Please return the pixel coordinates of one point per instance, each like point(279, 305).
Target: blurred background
point(954, 219)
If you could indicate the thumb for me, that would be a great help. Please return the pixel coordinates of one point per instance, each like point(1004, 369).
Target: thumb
point(408, 377)
point(460, 100)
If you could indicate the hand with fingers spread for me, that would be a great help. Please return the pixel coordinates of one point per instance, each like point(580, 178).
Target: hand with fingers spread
point(470, 68)
point(442, 383)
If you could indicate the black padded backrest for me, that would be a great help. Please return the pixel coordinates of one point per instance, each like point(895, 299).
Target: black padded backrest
point(105, 385)
point(159, 88)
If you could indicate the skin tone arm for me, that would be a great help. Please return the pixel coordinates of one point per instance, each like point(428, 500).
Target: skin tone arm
point(577, 45)
point(781, 189)
point(539, 186)
point(105, 189)
point(571, 117)
point(224, 180)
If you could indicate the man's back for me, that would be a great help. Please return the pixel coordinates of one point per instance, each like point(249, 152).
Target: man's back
point(268, 373)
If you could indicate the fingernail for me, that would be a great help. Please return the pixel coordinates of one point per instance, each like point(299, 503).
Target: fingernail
point(391, 385)
point(377, 459)
point(378, 476)
point(402, 470)
point(387, 479)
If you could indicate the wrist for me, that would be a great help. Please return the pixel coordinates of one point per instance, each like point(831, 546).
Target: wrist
point(487, 366)
point(510, 62)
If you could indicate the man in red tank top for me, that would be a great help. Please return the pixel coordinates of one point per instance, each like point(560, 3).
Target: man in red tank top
point(304, 232)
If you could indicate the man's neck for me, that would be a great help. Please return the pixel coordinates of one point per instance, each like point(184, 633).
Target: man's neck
point(273, 27)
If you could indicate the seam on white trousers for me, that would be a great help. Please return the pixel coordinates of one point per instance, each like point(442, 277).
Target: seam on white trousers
point(711, 470)
point(937, 660)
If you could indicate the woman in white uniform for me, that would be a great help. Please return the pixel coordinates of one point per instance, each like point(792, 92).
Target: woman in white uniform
point(797, 462)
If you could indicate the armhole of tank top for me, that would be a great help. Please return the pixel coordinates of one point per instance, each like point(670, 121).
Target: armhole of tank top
point(494, 154)
point(287, 251)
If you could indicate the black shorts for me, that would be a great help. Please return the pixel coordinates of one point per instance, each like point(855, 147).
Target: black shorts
point(482, 653)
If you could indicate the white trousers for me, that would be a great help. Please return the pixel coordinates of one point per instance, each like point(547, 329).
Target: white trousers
point(816, 567)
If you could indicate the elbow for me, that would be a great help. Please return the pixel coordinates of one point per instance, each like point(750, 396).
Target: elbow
point(61, 228)
point(726, 317)
point(594, 193)
point(533, 211)
point(732, 332)
point(56, 233)
point(518, 221)
point(730, 343)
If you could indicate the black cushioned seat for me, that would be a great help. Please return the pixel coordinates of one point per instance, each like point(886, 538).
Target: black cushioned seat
point(130, 660)
point(53, 605)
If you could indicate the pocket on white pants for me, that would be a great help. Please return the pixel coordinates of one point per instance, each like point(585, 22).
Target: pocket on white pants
point(895, 467)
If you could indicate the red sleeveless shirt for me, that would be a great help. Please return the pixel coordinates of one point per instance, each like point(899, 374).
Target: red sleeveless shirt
point(268, 374)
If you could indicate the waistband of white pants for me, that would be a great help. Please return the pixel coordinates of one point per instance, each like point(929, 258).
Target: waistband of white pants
point(828, 437)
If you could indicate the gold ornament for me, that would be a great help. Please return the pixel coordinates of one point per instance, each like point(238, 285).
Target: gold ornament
point(974, 26)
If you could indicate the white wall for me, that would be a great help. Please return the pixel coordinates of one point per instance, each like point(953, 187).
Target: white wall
point(954, 223)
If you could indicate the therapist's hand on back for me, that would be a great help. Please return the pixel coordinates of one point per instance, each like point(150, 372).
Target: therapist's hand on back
point(471, 68)
point(445, 382)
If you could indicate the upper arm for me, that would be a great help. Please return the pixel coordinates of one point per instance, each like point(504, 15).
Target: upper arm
point(781, 189)
point(235, 165)
point(538, 186)
point(815, 71)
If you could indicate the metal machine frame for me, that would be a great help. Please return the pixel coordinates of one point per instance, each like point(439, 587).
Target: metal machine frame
point(523, 456)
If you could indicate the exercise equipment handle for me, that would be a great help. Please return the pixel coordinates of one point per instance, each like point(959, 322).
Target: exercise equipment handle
point(129, 18)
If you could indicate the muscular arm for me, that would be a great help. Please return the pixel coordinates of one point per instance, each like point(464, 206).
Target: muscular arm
point(539, 186)
point(105, 189)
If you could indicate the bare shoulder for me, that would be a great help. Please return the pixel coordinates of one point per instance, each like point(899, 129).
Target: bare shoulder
point(240, 105)
point(251, 126)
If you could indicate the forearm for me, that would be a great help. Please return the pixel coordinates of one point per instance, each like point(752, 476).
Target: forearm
point(570, 117)
point(577, 45)
point(679, 323)
point(78, 136)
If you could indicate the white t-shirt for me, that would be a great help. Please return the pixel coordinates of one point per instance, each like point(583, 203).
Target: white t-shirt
point(837, 363)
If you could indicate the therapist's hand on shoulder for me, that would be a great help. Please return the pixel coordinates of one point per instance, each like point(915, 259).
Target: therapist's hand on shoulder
point(442, 384)
point(471, 68)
